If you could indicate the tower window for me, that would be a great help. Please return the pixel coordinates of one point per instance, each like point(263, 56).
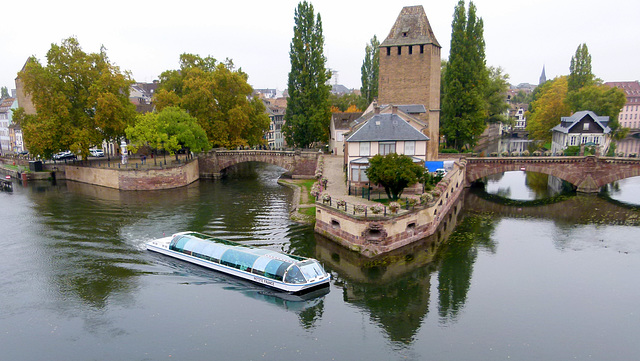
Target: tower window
point(421, 49)
point(404, 35)
point(399, 50)
point(388, 50)
point(410, 49)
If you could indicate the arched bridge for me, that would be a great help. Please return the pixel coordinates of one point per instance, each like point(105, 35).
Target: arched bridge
point(588, 173)
point(297, 163)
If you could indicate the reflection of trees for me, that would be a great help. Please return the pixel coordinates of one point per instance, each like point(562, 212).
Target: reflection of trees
point(456, 259)
point(309, 316)
point(538, 183)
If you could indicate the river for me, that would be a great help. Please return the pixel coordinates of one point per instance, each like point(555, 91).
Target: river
point(546, 282)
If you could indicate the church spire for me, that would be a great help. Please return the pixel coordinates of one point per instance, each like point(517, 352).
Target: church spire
point(543, 77)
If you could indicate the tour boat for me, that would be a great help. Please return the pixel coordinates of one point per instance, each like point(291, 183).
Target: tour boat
point(277, 270)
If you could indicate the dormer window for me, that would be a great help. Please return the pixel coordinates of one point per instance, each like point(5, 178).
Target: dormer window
point(585, 126)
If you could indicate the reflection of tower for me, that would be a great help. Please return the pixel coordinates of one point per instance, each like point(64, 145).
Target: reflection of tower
point(410, 69)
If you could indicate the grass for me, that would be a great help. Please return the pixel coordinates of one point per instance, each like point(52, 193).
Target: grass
point(308, 211)
point(306, 185)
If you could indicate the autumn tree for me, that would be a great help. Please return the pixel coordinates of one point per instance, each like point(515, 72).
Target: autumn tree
point(464, 107)
point(370, 70)
point(81, 99)
point(308, 110)
point(394, 172)
point(219, 97)
point(343, 102)
point(171, 129)
point(547, 109)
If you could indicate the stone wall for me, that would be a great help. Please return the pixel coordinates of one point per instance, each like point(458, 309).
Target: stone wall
point(135, 179)
point(372, 236)
point(299, 164)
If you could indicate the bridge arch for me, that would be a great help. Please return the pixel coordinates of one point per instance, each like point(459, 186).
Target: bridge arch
point(587, 173)
point(298, 163)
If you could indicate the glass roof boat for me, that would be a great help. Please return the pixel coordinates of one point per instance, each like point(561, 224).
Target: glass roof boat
point(285, 272)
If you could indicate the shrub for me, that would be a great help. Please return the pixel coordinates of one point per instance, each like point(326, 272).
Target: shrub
point(326, 197)
point(525, 153)
point(537, 153)
point(547, 153)
point(494, 154)
point(341, 203)
point(448, 151)
point(394, 207)
point(412, 201)
point(360, 208)
point(505, 154)
point(426, 197)
point(515, 154)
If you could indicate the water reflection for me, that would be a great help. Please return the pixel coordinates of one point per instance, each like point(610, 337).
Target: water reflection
point(626, 191)
point(395, 288)
point(525, 186)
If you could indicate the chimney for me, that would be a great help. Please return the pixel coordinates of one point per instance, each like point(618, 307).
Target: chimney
point(394, 109)
point(376, 109)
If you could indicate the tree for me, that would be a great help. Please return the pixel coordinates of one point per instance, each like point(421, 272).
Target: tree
point(547, 109)
point(370, 70)
point(81, 99)
point(170, 129)
point(308, 110)
point(347, 101)
point(496, 95)
point(464, 107)
point(394, 172)
point(4, 92)
point(580, 69)
point(219, 97)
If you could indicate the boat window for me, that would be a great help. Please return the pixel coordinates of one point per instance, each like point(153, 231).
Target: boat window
point(236, 258)
point(177, 244)
point(312, 270)
point(275, 269)
point(294, 275)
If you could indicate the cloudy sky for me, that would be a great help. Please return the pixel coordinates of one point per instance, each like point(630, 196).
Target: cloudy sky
point(147, 37)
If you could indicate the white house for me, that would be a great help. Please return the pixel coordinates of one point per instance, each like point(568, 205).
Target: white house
point(581, 128)
point(382, 134)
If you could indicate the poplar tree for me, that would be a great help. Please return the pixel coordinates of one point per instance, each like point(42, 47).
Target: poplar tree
point(370, 70)
point(580, 69)
point(464, 106)
point(308, 110)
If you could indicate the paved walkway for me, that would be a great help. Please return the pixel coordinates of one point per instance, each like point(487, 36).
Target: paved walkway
point(336, 181)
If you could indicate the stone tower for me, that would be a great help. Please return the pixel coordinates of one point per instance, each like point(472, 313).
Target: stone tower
point(410, 69)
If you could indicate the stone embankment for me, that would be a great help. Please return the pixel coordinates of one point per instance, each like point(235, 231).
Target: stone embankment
point(372, 229)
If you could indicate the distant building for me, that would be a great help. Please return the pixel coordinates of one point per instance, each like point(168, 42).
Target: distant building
point(517, 114)
point(410, 69)
point(543, 77)
point(630, 112)
point(581, 128)
point(340, 125)
point(6, 114)
point(141, 95)
point(274, 136)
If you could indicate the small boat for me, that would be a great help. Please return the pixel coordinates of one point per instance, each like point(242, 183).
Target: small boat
point(284, 272)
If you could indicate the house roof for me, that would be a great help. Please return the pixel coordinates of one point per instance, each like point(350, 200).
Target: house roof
point(411, 27)
point(566, 123)
point(341, 121)
point(386, 127)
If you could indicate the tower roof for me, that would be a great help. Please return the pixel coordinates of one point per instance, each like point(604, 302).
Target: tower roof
point(411, 28)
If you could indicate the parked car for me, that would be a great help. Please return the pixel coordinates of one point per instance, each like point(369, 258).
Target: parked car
point(67, 154)
point(96, 152)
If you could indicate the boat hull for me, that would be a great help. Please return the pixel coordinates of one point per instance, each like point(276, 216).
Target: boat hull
point(162, 246)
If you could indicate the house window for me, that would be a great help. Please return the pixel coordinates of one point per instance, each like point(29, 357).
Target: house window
point(573, 140)
point(364, 149)
point(358, 173)
point(410, 148)
point(596, 140)
point(387, 148)
point(584, 139)
point(585, 126)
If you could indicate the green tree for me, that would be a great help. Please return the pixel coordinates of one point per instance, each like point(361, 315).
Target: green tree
point(496, 95)
point(218, 96)
point(547, 109)
point(170, 129)
point(347, 101)
point(394, 172)
point(308, 110)
point(4, 92)
point(370, 70)
point(580, 69)
point(81, 99)
point(464, 107)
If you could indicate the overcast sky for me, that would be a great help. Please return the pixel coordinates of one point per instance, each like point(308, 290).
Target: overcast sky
point(147, 37)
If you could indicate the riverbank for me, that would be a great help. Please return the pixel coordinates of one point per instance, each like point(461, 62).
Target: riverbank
point(303, 205)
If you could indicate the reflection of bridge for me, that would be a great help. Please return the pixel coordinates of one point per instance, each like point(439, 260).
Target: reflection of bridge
point(298, 163)
point(588, 173)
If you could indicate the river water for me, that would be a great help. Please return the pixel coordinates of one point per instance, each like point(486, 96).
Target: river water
point(550, 282)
